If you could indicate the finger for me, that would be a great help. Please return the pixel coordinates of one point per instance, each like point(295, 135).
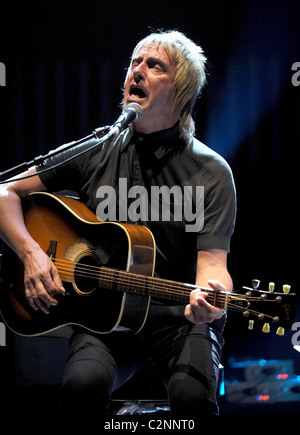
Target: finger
point(197, 293)
point(202, 304)
point(195, 309)
point(47, 288)
point(44, 295)
point(34, 301)
point(196, 312)
point(188, 312)
point(216, 285)
point(30, 299)
point(57, 281)
point(37, 293)
point(210, 312)
point(204, 311)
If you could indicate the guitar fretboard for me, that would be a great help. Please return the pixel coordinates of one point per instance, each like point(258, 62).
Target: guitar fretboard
point(123, 281)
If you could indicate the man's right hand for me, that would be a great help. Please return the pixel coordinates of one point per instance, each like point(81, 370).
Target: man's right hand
point(41, 280)
point(41, 277)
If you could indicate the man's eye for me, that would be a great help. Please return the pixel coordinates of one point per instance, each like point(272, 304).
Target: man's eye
point(155, 65)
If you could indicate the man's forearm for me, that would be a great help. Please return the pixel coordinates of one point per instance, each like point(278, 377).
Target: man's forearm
point(12, 227)
point(13, 230)
point(215, 273)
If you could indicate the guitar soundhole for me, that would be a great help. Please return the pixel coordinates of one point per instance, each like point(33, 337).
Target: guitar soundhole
point(86, 274)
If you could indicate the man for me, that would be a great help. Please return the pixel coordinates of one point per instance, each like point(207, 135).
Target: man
point(165, 76)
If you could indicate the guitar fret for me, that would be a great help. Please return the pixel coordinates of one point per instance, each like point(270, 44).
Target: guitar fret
point(123, 281)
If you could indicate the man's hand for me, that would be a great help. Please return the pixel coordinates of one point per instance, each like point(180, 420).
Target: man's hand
point(199, 310)
point(41, 280)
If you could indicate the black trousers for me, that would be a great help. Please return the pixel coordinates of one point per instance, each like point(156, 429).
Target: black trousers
point(185, 356)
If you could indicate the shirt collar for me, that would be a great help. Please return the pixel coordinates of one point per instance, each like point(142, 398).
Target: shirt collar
point(158, 143)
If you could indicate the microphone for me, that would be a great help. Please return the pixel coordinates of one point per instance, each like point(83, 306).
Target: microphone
point(131, 113)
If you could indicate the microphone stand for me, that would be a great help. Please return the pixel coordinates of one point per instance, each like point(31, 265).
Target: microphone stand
point(40, 160)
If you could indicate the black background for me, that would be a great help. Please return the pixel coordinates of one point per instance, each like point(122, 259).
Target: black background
point(65, 66)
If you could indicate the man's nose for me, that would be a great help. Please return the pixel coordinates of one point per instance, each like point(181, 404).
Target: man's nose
point(139, 73)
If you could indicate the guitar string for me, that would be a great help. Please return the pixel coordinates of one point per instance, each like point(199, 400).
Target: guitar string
point(230, 305)
point(126, 279)
point(115, 276)
point(105, 270)
point(113, 272)
point(123, 277)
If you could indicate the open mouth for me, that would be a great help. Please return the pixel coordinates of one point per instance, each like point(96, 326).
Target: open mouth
point(136, 91)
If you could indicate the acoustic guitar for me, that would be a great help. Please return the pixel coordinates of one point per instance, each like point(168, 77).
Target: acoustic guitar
point(107, 270)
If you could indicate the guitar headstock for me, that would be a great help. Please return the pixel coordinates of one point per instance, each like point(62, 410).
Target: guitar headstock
point(268, 306)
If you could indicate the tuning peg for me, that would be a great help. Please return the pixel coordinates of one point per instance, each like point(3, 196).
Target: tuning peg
point(250, 325)
point(266, 328)
point(271, 287)
point(286, 288)
point(280, 331)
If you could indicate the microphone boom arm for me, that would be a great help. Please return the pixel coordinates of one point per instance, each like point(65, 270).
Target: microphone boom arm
point(131, 113)
point(40, 160)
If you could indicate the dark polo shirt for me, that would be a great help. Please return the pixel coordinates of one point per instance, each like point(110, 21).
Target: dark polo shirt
point(155, 180)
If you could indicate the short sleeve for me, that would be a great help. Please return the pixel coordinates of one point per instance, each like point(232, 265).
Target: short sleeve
point(219, 207)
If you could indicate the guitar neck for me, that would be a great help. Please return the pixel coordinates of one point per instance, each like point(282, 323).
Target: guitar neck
point(123, 281)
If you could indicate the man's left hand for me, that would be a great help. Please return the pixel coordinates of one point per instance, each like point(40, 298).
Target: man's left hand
point(199, 310)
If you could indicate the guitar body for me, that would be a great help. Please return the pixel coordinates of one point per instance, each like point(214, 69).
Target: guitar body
point(76, 240)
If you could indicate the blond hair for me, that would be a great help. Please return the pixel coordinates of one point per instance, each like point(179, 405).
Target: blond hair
point(190, 76)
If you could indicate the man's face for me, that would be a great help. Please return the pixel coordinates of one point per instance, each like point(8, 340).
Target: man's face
point(149, 83)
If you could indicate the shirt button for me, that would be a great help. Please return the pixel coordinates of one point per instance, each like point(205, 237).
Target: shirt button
point(141, 139)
